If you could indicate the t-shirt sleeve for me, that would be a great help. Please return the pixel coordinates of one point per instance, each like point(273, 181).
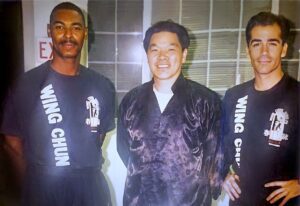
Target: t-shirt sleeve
point(10, 123)
point(108, 118)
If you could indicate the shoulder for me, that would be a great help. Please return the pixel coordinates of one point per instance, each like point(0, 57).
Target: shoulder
point(136, 93)
point(239, 90)
point(200, 91)
point(31, 78)
point(292, 82)
point(35, 73)
point(94, 77)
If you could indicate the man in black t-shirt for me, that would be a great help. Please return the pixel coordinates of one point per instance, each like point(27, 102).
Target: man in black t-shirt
point(56, 118)
point(261, 122)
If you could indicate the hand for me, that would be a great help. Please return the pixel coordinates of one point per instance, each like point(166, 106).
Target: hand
point(231, 187)
point(287, 189)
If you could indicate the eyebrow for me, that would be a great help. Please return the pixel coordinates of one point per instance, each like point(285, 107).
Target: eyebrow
point(73, 24)
point(269, 40)
point(155, 45)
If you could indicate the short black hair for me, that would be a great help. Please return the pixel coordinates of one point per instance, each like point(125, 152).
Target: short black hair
point(168, 26)
point(67, 6)
point(267, 19)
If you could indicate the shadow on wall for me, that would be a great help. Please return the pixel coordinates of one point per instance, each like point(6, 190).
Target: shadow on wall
point(291, 52)
point(91, 33)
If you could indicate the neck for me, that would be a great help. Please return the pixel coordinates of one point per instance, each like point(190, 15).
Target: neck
point(66, 66)
point(163, 86)
point(266, 82)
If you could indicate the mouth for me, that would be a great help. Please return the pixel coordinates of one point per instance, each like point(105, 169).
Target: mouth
point(264, 61)
point(163, 66)
point(68, 45)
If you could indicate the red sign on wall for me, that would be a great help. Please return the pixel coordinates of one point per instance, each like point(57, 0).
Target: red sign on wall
point(44, 49)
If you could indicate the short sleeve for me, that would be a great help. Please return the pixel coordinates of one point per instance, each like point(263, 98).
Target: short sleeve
point(10, 123)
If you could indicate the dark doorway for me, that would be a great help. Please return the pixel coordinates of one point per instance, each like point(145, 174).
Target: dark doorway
point(12, 64)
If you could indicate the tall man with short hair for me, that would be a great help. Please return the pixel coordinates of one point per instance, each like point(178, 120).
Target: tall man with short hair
point(261, 122)
point(168, 129)
point(56, 119)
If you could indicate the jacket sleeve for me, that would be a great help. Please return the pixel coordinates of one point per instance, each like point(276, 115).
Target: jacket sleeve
point(213, 153)
point(122, 136)
point(226, 136)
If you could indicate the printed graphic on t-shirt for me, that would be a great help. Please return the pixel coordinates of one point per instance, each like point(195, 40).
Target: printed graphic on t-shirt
point(92, 104)
point(54, 116)
point(278, 119)
point(239, 120)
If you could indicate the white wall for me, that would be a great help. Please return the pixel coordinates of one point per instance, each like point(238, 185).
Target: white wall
point(113, 168)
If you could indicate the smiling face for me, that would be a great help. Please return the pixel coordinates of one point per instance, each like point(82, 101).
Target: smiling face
point(165, 56)
point(68, 33)
point(266, 49)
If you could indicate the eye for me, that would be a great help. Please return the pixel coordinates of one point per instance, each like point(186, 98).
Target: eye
point(77, 28)
point(59, 27)
point(273, 43)
point(256, 44)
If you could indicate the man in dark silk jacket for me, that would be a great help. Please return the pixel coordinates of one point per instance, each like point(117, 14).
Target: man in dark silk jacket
point(168, 129)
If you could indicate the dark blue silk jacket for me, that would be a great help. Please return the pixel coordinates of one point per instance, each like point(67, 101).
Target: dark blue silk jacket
point(172, 158)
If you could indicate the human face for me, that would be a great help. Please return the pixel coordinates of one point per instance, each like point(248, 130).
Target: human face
point(68, 33)
point(165, 56)
point(265, 50)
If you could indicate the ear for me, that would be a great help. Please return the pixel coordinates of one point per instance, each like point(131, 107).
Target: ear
point(85, 33)
point(48, 30)
point(248, 52)
point(284, 50)
point(184, 55)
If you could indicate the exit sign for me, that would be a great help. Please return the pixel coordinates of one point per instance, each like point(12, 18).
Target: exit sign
point(44, 49)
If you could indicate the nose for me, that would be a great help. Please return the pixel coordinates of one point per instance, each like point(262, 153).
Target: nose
point(68, 32)
point(265, 48)
point(163, 55)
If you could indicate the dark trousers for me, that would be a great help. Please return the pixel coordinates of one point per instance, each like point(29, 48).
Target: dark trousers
point(72, 188)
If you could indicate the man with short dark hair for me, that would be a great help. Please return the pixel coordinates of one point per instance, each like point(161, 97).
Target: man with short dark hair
point(261, 122)
point(168, 129)
point(56, 118)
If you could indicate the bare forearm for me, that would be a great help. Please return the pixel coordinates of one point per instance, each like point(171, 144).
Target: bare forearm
point(15, 152)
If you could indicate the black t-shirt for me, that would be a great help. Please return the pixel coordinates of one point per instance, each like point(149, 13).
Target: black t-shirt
point(60, 118)
point(261, 134)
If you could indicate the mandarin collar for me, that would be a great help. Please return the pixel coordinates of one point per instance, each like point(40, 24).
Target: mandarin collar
point(178, 84)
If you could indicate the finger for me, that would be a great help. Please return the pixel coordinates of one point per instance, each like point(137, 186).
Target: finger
point(284, 201)
point(277, 197)
point(274, 193)
point(231, 196)
point(231, 190)
point(227, 190)
point(275, 183)
point(235, 186)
